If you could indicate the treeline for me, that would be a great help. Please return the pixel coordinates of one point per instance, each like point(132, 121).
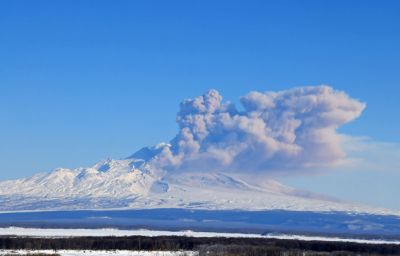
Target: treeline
point(245, 250)
point(214, 246)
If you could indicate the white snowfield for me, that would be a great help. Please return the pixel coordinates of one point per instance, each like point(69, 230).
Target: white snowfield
point(37, 232)
point(133, 183)
point(53, 233)
point(100, 253)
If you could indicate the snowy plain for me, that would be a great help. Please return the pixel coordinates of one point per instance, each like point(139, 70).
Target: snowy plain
point(37, 232)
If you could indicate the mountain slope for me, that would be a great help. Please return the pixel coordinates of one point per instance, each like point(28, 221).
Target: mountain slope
point(134, 183)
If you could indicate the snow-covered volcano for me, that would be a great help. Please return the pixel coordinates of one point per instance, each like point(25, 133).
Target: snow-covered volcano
point(135, 184)
point(294, 129)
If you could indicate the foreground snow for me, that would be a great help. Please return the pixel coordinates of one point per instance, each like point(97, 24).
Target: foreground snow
point(36, 232)
point(100, 253)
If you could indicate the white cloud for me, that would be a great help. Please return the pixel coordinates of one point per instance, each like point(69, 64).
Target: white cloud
point(367, 154)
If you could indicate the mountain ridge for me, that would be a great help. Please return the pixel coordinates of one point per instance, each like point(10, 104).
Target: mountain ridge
point(134, 183)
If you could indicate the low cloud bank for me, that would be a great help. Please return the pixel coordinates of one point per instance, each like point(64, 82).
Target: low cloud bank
point(273, 131)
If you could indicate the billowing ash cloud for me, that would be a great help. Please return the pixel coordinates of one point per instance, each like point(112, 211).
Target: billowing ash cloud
point(293, 129)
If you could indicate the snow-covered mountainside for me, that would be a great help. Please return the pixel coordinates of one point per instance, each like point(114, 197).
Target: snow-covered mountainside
point(134, 183)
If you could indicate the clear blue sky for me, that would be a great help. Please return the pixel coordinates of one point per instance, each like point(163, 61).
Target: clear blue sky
point(84, 80)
